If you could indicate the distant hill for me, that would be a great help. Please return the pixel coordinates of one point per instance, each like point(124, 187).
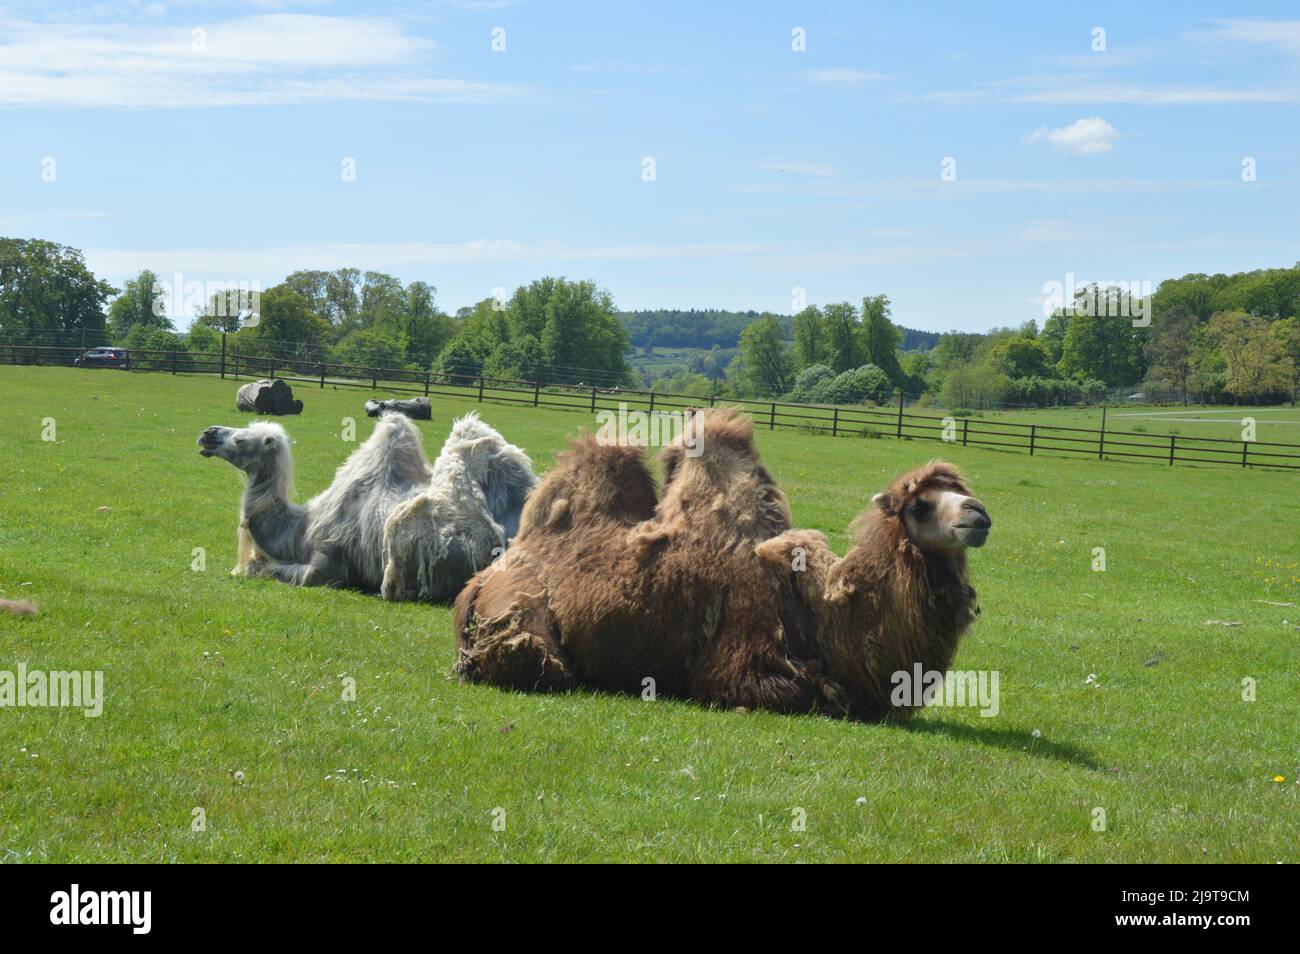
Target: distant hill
point(914, 340)
point(707, 327)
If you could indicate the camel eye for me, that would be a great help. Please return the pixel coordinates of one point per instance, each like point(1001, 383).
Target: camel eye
point(920, 509)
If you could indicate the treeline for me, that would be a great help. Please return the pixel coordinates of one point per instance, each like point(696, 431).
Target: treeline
point(1209, 338)
point(714, 328)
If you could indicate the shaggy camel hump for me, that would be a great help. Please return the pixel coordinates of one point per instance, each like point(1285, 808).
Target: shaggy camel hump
point(390, 522)
point(714, 597)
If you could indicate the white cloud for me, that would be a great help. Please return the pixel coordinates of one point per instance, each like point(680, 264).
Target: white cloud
point(1083, 94)
point(257, 60)
point(844, 77)
point(1284, 34)
point(1083, 137)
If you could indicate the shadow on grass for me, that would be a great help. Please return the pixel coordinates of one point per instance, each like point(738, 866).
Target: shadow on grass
point(1013, 740)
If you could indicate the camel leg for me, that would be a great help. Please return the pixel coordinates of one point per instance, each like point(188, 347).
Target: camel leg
point(245, 550)
point(325, 569)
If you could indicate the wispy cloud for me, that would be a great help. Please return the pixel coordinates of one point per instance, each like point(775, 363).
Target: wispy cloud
point(844, 77)
point(271, 59)
point(1083, 137)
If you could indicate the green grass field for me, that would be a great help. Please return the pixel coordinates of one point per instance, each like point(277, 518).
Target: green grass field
point(207, 675)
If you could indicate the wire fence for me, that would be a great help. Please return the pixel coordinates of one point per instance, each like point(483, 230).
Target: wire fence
point(878, 422)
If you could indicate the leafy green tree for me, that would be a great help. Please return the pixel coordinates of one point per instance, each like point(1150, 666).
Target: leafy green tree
point(515, 360)
point(1020, 358)
point(881, 338)
point(844, 345)
point(202, 338)
point(141, 303)
point(764, 359)
point(867, 383)
point(1256, 359)
point(464, 356)
point(46, 289)
point(974, 386)
point(1287, 332)
point(810, 346)
point(1106, 347)
point(1171, 348)
point(379, 346)
point(285, 320)
point(808, 384)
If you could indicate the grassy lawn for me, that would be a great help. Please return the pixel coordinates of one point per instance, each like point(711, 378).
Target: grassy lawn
point(206, 675)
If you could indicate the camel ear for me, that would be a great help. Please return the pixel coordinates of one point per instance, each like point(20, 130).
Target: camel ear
point(884, 501)
point(268, 440)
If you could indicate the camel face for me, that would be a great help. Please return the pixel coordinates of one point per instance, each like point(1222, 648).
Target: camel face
point(244, 447)
point(936, 509)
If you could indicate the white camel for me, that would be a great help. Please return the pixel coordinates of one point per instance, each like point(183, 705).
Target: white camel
point(390, 523)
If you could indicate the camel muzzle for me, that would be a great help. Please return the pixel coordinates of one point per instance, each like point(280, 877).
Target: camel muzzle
point(973, 531)
point(209, 441)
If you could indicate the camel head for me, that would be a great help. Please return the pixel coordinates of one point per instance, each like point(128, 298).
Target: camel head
point(936, 509)
point(248, 448)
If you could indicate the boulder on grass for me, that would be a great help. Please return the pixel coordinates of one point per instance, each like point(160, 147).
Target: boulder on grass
point(267, 397)
point(417, 408)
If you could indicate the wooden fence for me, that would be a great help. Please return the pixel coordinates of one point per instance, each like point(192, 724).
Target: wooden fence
point(896, 422)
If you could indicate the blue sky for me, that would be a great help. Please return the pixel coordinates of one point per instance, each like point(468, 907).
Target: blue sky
point(218, 154)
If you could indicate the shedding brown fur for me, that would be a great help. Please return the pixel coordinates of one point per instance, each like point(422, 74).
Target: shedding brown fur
point(693, 596)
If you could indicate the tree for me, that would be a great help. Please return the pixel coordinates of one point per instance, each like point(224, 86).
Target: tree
point(1020, 358)
point(808, 385)
point(844, 349)
point(861, 384)
point(1255, 357)
point(765, 363)
point(141, 303)
point(974, 386)
point(515, 360)
point(880, 337)
point(201, 338)
point(1171, 349)
point(379, 346)
point(810, 345)
point(46, 289)
point(1105, 346)
point(1287, 332)
point(285, 320)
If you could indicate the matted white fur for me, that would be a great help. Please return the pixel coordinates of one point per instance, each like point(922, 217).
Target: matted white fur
point(390, 522)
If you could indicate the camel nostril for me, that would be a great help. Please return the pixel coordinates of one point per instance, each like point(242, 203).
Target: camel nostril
point(982, 518)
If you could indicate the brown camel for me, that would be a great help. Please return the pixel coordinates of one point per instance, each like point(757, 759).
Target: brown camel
point(699, 596)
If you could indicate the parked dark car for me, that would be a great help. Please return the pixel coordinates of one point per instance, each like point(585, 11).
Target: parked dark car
point(105, 358)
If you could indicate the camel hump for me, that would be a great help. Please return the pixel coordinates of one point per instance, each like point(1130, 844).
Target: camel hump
point(592, 482)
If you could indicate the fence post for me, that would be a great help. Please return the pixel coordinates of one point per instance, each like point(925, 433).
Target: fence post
point(173, 362)
point(900, 414)
point(273, 369)
point(652, 402)
point(1172, 438)
point(480, 388)
point(771, 421)
point(593, 399)
point(835, 423)
point(374, 379)
point(1245, 446)
point(223, 356)
point(1033, 435)
point(1101, 439)
point(426, 384)
point(965, 423)
point(537, 392)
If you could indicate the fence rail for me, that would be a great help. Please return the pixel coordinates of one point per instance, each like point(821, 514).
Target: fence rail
point(897, 422)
